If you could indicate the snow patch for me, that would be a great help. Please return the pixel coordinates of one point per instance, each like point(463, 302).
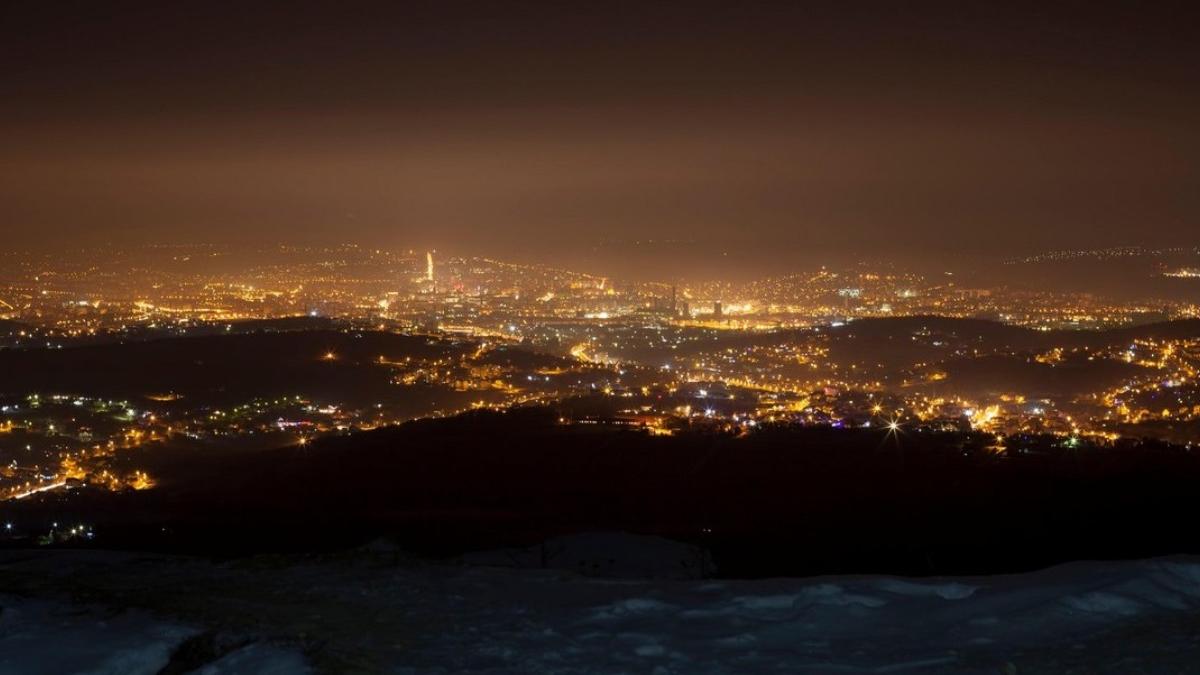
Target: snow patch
point(43, 637)
point(945, 591)
point(258, 659)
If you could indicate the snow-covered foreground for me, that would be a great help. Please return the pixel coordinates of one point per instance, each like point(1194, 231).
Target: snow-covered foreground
point(46, 637)
point(103, 612)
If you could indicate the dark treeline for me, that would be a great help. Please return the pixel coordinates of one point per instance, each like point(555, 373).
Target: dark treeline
point(785, 501)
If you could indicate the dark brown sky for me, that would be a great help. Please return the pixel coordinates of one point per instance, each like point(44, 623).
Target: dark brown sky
point(543, 129)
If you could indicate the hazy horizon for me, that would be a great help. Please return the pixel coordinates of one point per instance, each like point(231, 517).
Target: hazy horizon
point(541, 131)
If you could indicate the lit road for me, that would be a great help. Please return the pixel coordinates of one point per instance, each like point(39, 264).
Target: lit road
point(40, 488)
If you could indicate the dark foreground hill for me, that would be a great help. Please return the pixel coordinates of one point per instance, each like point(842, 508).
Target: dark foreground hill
point(778, 502)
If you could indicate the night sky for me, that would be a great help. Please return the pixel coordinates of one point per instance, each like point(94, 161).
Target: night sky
point(549, 131)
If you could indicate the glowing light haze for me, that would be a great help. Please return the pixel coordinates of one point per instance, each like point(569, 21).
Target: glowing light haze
point(562, 132)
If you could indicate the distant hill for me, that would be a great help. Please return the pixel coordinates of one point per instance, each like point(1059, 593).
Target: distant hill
point(884, 327)
point(900, 341)
point(985, 358)
point(994, 333)
point(903, 340)
point(1165, 330)
point(289, 323)
point(8, 327)
point(224, 367)
point(989, 376)
point(523, 358)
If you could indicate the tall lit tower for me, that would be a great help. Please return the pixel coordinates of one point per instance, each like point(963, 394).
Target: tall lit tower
point(429, 266)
